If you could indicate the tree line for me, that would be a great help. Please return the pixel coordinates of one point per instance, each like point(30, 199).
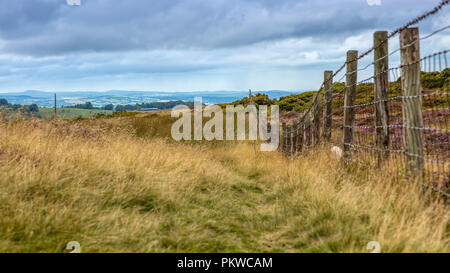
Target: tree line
point(33, 108)
point(131, 107)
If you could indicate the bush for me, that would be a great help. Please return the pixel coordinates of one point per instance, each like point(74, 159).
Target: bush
point(432, 80)
point(258, 99)
point(109, 107)
point(436, 79)
point(33, 108)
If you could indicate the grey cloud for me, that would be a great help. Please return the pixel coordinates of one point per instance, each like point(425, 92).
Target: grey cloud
point(51, 27)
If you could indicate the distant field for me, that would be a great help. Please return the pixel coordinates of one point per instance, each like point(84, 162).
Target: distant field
point(46, 113)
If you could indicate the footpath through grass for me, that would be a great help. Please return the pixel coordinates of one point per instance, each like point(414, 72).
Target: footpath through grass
point(115, 185)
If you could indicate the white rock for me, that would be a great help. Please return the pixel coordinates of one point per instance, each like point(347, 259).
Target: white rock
point(337, 151)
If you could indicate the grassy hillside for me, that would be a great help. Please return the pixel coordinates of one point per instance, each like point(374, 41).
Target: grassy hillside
point(120, 184)
point(68, 113)
point(299, 102)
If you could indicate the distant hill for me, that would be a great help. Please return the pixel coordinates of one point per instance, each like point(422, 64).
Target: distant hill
point(123, 97)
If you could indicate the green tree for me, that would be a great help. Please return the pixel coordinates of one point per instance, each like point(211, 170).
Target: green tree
point(109, 107)
point(33, 108)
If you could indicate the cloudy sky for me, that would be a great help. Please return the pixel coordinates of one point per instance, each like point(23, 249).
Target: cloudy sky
point(193, 45)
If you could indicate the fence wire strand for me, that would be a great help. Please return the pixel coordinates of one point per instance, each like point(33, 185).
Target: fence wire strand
point(436, 114)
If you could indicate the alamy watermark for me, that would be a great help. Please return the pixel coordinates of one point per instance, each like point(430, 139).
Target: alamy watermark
point(374, 246)
point(73, 2)
point(74, 246)
point(374, 2)
point(235, 116)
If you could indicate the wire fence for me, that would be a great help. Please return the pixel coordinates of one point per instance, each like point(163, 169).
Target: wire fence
point(399, 117)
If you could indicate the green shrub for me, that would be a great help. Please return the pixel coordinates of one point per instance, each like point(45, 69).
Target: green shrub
point(436, 79)
point(258, 99)
point(432, 80)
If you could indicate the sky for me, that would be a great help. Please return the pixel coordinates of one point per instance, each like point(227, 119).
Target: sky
point(194, 45)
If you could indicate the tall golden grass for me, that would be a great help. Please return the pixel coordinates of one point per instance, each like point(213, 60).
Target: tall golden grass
point(117, 185)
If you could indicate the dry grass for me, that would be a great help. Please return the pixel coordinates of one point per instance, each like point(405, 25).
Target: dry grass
point(114, 188)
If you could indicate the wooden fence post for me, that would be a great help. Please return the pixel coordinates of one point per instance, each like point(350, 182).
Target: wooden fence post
point(307, 129)
point(300, 138)
point(294, 137)
point(316, 118)
point(412, 101)
point(289, 140)
point(283, 137)
point(327, 105)
point(381, 94)
point(56, 113)
point(350, 97)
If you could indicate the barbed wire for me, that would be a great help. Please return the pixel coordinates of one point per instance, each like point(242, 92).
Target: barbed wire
point(395, 98)
point(396, 68)
point(400, 29)
point(395, 51)
point(436, 164)
point(391, 35)
point(398, 126)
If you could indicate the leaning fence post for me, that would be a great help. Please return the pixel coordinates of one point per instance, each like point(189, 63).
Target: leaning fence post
point(327, 105)
point(316, 118)
point(350, 97)
point(307, 129)
point(412, 101)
